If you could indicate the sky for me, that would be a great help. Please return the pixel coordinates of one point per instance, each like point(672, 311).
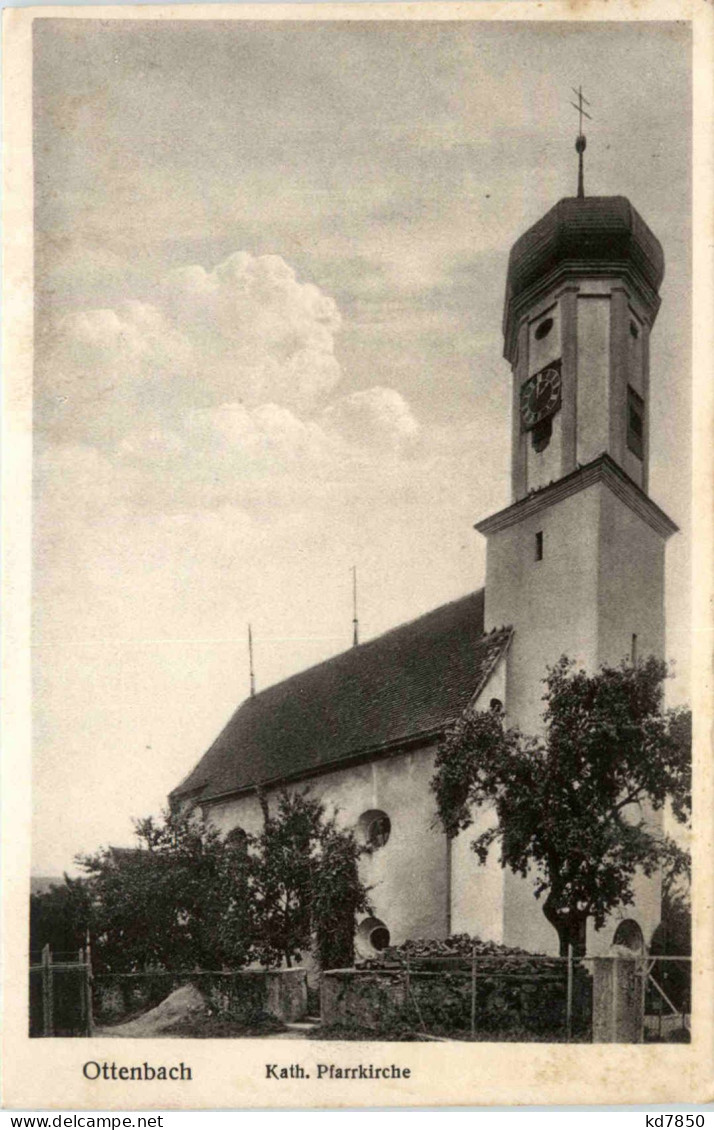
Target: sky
point(269, 271)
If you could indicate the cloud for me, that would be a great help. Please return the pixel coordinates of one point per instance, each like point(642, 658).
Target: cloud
point(375, 417)
point(247, 331)
point(197, 442)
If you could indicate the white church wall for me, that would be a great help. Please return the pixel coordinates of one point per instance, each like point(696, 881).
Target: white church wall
point(543, 467)
point(551, 603)
point(477, 889)
point(409, 874)
point(543, 348)
point(524, 924)
point(593, 411)
point(631, 601)
point(630, 583)
point(585, 599)
point(239, 812)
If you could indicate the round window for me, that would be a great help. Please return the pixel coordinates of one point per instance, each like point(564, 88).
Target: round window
point(237, 838)
point(372, 936)
point(375, 827)
point(543, 329)
point(378, 832)
point(379, 938)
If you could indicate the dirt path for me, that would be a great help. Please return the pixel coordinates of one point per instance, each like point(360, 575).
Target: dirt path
point(179, 1005)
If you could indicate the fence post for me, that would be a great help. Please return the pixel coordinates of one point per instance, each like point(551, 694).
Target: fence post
point(645, 979)
point(82, 988)
point(569, 997)
point(473, 990)
point(88, 986)
point(47, 991)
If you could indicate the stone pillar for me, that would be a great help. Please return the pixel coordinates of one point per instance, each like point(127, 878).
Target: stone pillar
point(618, 998)
point(286, 994)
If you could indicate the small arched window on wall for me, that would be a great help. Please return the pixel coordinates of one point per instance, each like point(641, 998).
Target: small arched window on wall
point(629, 935)
point(237, 838)
point(375, 828)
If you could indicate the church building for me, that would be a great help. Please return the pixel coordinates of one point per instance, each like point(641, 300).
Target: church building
point(575, 566)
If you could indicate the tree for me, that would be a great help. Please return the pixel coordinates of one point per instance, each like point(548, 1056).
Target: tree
point(571, 806)
point(673, 936)
point(306, 883)
point(178, 900)
point(60, 917)
point(189, 897)
point(338, 896)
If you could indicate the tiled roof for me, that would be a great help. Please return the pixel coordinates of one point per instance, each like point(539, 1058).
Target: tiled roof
point(411, 681)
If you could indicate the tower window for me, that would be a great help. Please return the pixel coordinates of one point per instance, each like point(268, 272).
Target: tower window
point(634, 330)
point(635, 422)
point(539, 546)
point(543, 329)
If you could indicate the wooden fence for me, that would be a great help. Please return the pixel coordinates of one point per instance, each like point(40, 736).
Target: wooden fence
point(61, 995)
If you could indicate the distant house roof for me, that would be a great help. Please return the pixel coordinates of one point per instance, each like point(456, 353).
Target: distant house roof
point(409, 683)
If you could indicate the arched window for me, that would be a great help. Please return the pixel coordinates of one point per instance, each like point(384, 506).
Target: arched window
point(629, 934)
point(237, 838)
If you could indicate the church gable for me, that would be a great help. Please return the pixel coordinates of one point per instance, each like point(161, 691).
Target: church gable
point(406, 685)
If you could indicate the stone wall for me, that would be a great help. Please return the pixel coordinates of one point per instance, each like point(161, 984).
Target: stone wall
point(618, 999)
point(365, 999)
point(241, 995)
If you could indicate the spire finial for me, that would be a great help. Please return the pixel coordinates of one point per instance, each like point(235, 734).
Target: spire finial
point(580, 141)
point(355, 622)
point(250, 658)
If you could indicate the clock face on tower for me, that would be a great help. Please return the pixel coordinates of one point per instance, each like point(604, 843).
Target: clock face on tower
point(540, 396)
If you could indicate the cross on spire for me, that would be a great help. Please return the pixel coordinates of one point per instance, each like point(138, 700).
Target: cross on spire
point(580, 141)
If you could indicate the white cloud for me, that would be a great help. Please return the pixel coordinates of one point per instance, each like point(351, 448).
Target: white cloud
point(203, 449)
point(375, 417)
point(246, 331)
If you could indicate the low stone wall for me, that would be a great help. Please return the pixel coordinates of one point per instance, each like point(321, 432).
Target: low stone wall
point(286, 994)
point(358, 997)
point(240, 995)
point(440, 1001)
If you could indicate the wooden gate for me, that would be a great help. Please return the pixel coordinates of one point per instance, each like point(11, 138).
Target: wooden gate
point(61, 996)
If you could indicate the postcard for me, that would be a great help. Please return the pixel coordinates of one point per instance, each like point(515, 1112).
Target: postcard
point(357, 555)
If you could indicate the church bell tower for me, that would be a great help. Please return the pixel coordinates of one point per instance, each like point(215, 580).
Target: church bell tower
point(576, 562)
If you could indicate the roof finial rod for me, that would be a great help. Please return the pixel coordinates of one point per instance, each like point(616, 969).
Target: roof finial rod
point(355, 621)
point(250, 658)
point(580, 141)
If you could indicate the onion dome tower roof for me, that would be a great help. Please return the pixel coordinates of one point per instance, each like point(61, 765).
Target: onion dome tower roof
point(593, 236)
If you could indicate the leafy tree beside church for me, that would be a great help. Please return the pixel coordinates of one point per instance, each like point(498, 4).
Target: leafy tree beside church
point(187, 897)
point(570, 807)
